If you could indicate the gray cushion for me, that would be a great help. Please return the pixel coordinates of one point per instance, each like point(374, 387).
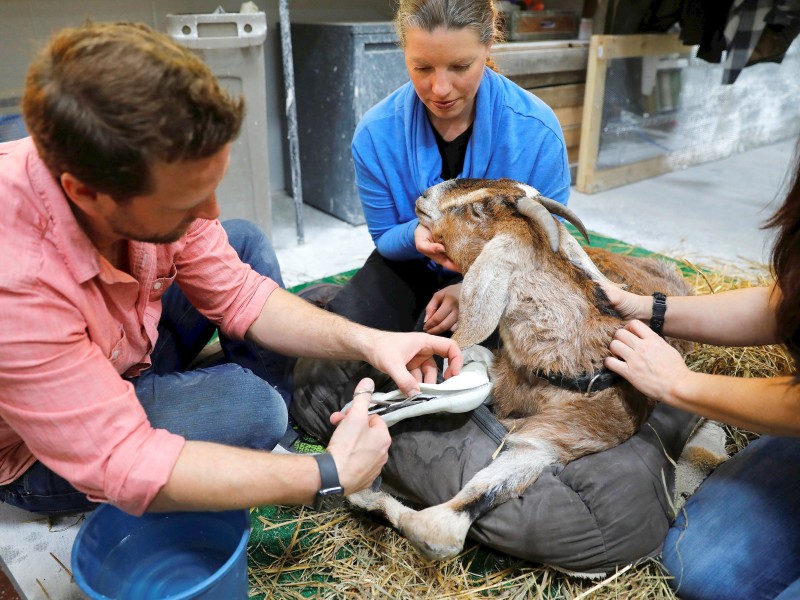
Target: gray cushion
point(597, 513)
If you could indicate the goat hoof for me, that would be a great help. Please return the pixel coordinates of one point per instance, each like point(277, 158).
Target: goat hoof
point(366, 500)
point(438, 533)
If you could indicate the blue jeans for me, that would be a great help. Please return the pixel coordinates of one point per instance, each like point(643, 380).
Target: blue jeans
point(241, 402)
point(739, 534)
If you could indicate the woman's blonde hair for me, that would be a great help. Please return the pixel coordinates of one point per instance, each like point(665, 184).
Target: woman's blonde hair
point(481, 16)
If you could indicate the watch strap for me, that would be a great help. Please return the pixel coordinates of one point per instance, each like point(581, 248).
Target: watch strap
point(659, 310)
point(327, 470)
point(329, 476)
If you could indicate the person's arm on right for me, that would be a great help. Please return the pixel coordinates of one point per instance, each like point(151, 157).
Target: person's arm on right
point(742, 317)
point(765, 405)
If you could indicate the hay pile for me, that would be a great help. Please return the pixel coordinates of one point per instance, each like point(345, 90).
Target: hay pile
point(341, 554)
point(297, 553)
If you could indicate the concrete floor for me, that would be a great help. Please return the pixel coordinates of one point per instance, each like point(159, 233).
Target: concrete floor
point(709, 214)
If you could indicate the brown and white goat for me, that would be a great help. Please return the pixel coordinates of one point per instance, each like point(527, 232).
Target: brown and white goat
point(526, 274)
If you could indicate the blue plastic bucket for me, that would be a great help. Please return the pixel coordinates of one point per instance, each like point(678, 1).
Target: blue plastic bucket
point(172, 556)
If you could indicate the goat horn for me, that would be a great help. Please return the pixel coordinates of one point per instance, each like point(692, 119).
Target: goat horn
point(536, 211)
point(578, 257)
point(562, 211)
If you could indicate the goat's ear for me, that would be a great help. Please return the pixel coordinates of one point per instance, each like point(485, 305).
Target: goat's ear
point(484, 294)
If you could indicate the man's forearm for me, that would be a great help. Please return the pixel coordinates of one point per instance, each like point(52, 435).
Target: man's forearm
point(292, 326)
point(211, 476)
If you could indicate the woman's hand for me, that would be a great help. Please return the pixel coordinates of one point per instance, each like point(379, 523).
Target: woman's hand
point(628, 305)
point(433, 250)
point(649, 363)
point(441, 313)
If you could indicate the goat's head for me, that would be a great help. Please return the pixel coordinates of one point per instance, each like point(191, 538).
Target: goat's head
point(464, 214)
point(482, 204)
point(482, 223)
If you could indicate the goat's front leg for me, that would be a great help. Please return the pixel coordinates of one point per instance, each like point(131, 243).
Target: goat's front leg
point(382, 503)
point(423, 529)
point(439, 532)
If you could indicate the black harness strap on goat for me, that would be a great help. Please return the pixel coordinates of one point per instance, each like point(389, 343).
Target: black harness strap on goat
point(489, 424)
point(587, 383)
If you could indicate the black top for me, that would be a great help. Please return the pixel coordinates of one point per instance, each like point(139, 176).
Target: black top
point(452, 152)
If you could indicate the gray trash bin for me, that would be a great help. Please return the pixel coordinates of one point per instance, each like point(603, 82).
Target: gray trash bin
point(232, 44)
point(341, 71)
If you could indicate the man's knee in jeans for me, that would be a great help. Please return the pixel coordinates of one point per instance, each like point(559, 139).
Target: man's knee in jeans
point(227, 404)
point(258, 415)
point(264, 410)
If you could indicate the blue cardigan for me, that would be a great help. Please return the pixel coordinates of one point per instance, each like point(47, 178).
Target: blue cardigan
point(515, 135)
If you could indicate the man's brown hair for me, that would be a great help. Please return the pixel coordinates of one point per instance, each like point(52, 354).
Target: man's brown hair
point(105, 101)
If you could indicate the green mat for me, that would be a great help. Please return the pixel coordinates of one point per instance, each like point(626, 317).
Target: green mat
point(339, 278)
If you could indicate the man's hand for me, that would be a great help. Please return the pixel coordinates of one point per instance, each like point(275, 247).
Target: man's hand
point(441, 313)
point(360, 443)
point(649, 363)
point(408, 358)
point(433, 250)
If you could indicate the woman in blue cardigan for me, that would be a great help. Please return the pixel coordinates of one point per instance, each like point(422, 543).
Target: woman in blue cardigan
point(456, 118)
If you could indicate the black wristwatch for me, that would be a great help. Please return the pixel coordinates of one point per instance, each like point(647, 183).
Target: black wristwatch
point(331, 492)
point(659, 310)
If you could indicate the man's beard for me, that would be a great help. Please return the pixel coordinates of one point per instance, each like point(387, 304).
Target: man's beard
point(120, 228)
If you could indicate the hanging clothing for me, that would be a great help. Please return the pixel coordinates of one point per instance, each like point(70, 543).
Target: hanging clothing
point(740, 32)
point(703, 24)
point(759, 31)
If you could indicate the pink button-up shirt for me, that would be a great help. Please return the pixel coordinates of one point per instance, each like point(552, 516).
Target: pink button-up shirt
point(71, 326)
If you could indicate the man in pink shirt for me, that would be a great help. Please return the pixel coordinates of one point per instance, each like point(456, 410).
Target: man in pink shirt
point(114, 274)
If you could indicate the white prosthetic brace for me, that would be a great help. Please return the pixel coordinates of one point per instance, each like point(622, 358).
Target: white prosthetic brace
point(461, 393)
